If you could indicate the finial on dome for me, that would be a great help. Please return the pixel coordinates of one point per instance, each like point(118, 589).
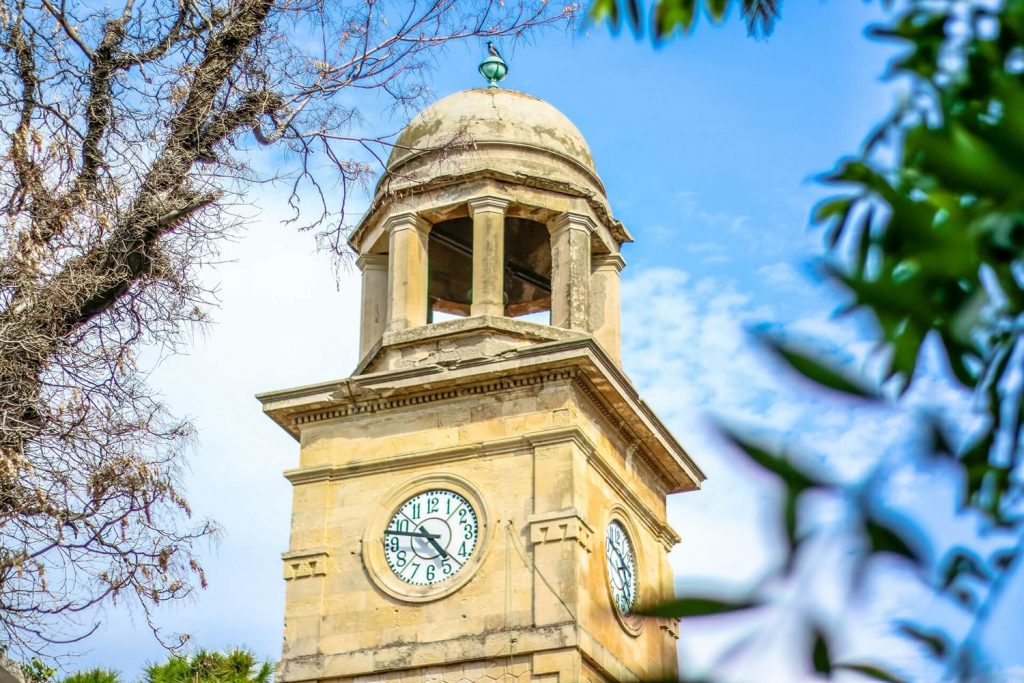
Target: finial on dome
point(494, 67)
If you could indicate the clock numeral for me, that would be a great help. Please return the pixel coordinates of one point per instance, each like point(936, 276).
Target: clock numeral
point(414, 537)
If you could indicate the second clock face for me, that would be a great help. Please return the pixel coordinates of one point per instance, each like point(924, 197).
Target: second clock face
point(621, 567)
point(431, 537)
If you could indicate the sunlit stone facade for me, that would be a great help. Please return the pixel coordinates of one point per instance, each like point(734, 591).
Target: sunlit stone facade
point(490, 371)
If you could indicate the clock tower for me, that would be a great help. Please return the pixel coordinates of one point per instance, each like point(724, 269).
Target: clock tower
point(484, 498)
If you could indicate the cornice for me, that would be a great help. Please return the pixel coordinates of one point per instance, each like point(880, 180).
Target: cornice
point(619, 231)
point(525, 443)
point(614, 260)
point(578, 361)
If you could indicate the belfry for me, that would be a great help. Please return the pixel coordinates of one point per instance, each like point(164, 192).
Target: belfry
point(484, 498)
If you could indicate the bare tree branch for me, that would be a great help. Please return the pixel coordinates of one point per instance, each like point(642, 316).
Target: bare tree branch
point(125, 140)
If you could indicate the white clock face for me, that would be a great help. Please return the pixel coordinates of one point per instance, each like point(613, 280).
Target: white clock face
point(431, 537)
point(618, 551)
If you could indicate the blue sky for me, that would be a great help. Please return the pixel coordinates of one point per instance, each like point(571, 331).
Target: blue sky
point(708, 147)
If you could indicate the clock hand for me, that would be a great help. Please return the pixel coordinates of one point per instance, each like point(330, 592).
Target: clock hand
point(431, 538)
point(433, 541)
point(438, 546)
point(417, 534)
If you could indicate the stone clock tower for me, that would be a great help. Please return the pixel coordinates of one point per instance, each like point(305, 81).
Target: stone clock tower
point(484, 498)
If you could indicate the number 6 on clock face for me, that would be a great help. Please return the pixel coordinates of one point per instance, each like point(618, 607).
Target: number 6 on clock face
point(431, 537)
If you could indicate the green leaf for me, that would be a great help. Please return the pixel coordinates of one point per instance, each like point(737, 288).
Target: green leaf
point(789, 516)
point(605, 10)
point(883, 539)
point(938, 445)
point(696, 607)
point(795, 479)
point(936, 643)
point(717, 9)
point(961, 562)
point(633, 14)
point(869, 671)
point(815, 370)
point(962, 161)
point(820, 655)
point(834, 211)
point(1003, 559)
point(670, 15)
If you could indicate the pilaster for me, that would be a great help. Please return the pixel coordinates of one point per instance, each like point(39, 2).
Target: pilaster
point(557, 531)
point(570, 271)
point(374, 315)
point(605, 307)
point(407, 271)
point(488, 255)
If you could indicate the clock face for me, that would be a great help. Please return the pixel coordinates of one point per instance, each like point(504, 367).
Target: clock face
point(618, 551)
point(431, 537)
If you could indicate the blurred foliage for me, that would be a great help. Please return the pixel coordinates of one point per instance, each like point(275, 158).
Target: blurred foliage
point(94, 676)
point(926, 235)
point(234, 666)
point(668, 16)
point(36, 671)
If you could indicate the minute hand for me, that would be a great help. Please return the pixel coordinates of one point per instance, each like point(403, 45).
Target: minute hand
point(431, 538)
point(417, 534)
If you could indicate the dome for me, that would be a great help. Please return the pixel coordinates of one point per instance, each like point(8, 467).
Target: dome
point(500, 129)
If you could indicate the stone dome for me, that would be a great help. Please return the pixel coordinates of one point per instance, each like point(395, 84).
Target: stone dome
point(496, 129)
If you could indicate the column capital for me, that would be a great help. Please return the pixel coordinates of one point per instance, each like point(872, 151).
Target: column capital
point(611, 260)
point(487, 204)
point(572, 221)
point(372, 262)
point(406, 221)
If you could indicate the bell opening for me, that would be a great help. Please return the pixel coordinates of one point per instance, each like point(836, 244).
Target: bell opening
point(527, 270)
point(450, 269)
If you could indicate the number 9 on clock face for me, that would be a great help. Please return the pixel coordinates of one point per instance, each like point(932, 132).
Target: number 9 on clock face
point(431, 537)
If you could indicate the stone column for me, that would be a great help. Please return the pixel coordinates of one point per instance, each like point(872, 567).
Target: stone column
point(488, 255)
point(570, 271)
point(605, 322)
point(374, 316)
point(407, 271)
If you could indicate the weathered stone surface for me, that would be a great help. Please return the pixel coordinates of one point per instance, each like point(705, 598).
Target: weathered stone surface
point(407, 271)
point(554, 441)
point(488, 254)
point(535, 424)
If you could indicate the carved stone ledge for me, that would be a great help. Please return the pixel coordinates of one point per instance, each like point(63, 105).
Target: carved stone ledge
point(559, 526)
point(302, 564)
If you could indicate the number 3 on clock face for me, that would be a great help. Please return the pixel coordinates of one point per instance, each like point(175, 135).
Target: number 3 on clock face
point(431, 537)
